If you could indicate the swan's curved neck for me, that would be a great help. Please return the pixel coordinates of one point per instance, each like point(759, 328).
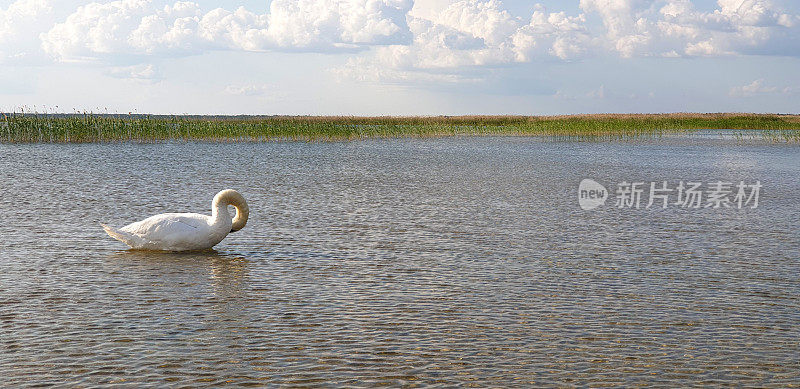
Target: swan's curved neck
point(219, 209)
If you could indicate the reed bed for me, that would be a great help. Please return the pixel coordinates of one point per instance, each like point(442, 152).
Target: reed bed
point(27, 127)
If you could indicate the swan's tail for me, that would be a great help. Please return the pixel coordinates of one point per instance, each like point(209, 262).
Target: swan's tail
point(121, 236)
point(113, 232)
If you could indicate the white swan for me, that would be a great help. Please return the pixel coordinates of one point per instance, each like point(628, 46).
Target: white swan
point(185, 231)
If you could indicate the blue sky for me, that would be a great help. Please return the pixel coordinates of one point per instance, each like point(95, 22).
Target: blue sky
point(400, 57)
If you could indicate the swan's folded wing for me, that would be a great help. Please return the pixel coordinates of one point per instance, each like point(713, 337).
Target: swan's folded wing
point(167, 227)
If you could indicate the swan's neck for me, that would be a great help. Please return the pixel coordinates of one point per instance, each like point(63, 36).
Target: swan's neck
point(219, 210)
point(220, 214)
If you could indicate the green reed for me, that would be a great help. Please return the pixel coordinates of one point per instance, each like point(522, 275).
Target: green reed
point(87, 127)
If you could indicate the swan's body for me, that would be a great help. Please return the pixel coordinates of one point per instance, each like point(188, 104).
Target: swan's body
point(185, 231)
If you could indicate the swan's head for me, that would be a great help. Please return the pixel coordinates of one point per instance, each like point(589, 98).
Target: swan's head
point(232, 197)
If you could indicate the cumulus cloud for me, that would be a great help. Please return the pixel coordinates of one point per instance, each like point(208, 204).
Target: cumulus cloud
point(677, 28)
point(20, 25)
point(468, 34)
point(757, 87)
point(474, 32)
point(126, 26)
point(555, 34)
point(481, 33)
point(420, 34)
point(143, 27)
point(400, 39)
point(309, 23)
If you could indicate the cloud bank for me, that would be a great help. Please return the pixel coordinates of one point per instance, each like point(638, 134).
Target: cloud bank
point(399, 39)
point(143, 27)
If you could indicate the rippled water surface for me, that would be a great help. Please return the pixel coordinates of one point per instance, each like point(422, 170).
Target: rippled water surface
point(456, 261)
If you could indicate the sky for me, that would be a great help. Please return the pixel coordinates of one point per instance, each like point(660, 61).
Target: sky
point(400, 57)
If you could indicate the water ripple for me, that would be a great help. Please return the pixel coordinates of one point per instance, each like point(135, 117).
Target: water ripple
point(445, 262)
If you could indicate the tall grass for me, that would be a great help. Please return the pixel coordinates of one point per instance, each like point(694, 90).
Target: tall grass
point(88, 127)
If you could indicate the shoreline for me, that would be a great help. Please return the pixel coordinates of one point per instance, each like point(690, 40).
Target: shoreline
point(99, 128)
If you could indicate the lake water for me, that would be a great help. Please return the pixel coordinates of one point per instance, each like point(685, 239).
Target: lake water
point(457, 261)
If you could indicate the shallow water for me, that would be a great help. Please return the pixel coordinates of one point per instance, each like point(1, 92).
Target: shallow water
point(453, 261)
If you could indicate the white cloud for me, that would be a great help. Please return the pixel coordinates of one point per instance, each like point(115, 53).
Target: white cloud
point(485, 20)
point(20, 25)
point(142, 72)
point(670, 27)
point(266, 92)
point(19, 13)
point(373, 70)
point(599, 93)
point(142, 27)
point(450, 37)
point(398, 39)
point(475, 33)
point(125, 26)
point(311, 23)
point(247, 90)
point(554, 34)
point(757, 87)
